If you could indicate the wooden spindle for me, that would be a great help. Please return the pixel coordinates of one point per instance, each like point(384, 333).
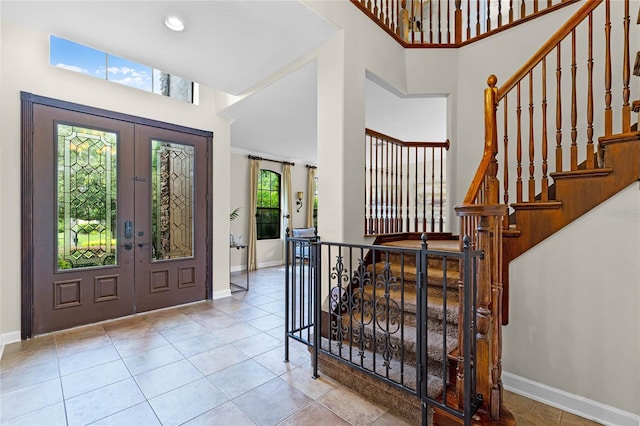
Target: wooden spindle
point(415, 200)
point(458, 22)
point(574, 106)
point(408, 226)
point(385, 14)
point(387, 195)
point(535, 6)
point(433, 189)
point(558, 111)
point(441, 228)
point(608, 112)
point(424, 189)
point(499, 13)
point(626, 73)
point(532, 182)
point(510, 11)
point(518, 145)
point(370, 227)
point(488, 16)
point(376, 188)
point(478, 18)
point(376, 10)
point(430, 22)
point(401, 191)
point(590, 147)
point(505, 168)
point(439, 22)
point(545, 180)
point(468, 19)
point(448, 21)
point(523, 9)
point(395, 192)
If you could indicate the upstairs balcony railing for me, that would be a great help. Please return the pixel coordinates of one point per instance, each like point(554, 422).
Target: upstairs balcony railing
point(405, 185)
point(451, 23)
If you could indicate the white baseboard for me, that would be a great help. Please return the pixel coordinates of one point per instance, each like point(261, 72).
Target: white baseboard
point(7, 338)
point(575, 404)
point(221, 294)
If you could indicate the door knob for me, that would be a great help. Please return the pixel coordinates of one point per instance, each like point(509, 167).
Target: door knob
point(128, 245)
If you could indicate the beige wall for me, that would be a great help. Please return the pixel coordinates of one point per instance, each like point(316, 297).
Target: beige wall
point(25, 67)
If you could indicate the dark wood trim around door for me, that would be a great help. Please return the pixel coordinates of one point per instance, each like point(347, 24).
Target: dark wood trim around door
point(28, 100)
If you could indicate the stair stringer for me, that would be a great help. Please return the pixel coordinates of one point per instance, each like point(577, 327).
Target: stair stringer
point(577, 193)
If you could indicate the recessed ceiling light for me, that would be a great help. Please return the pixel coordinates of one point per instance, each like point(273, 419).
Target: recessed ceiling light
point(174, 23)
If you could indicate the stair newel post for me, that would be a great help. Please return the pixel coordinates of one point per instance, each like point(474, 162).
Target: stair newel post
point(497, 290)
point(465, 348)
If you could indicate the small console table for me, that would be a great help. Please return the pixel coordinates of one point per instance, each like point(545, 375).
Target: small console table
point(233, 285)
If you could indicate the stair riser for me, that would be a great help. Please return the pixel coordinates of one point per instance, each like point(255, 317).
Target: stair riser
point(410, 261)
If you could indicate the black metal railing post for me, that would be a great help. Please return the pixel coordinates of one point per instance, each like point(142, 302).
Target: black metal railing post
point(315, 262)
point(287, 283)
point(422, 332)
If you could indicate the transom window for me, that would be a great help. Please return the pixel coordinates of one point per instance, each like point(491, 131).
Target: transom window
point(76, 57)
point(268, 206)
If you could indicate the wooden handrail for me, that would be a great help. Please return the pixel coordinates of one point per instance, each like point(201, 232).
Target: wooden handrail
point(546, 48)
point(446, 144)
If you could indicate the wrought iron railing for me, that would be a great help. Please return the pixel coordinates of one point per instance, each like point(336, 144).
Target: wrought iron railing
point(368, 307)
point(451, 23)
point(405, 185)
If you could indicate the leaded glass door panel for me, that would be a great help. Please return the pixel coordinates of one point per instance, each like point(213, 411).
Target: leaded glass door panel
point(170, 222)
point(83, 260)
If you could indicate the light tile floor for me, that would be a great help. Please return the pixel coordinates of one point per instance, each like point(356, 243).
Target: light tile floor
point(209, 363)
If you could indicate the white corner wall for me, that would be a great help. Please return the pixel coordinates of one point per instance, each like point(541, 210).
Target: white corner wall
point(574, 322)
point(25, 67)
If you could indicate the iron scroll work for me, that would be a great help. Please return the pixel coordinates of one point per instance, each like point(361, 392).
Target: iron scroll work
point(387, 312)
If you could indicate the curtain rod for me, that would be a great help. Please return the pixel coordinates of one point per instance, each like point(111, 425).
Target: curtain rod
point(253, 157)
point(309, 166)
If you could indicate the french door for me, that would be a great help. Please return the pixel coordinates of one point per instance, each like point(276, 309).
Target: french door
point(119, 218)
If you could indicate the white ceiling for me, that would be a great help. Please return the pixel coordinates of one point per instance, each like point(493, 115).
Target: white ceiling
point(230, 45)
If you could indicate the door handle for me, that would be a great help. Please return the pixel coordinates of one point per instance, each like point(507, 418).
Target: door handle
point(128, 230)
point(143, 244)
point(128, 245)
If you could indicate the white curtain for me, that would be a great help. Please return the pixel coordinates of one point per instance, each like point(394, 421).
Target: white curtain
point(288, 200)
point(311, 194)
point(254, 175)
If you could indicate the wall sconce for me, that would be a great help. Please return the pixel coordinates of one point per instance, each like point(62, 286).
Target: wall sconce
point(299, 202)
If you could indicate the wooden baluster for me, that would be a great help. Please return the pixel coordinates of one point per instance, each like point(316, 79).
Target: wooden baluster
point(478, 18)
point(549, 3)
point(518, 146)
point(376, 10)
point(385, 14)
point(574, 106)
point(394, 192)
point(424, 189)
point(408, 228)
point(590, 147)
point(523, 10)
point(532, 182)
point(559, 167)
point(370, 222)
point(505, 172)
point(458, 22)
point(535, 6)
point(401, 191)
point(510, 11)
point(369, 6)
point(430, 22)
point(441, 228)
point(488, 16)
point(608, 113)
point(433, 189)
point(499, 13)
point(448, 21)
point(377, 187)
point(468, 19)
point(439, 21)
point(386, 204)
point(545, 179)
point(626, 73)
point(415, 195)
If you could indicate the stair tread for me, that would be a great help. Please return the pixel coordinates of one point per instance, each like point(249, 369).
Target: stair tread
point(410, 273)
point(537, 205)
point(434, 303)
point(581, 173)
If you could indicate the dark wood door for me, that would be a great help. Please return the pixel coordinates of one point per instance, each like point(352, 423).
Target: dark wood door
point(170, 218)
point(119, 218)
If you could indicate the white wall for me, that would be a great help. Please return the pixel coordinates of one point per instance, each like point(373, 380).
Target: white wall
point(574, 320)
point(268, 252)
point(25, 67)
